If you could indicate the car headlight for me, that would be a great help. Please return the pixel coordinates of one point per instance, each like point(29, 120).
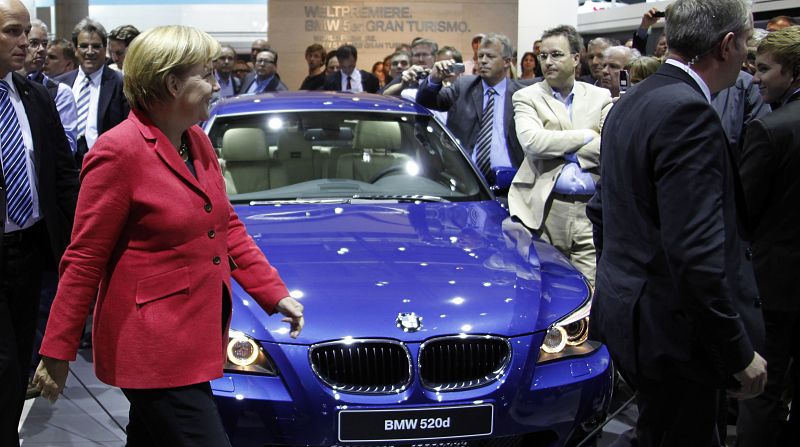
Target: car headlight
point(569, 336)
point(244, 354)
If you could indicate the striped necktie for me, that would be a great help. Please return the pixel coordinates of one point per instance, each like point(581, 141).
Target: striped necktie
point(19, 206)
point(483, 146)
point(83, 105)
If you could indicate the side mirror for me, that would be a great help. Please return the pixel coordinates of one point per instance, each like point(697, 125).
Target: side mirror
point(503, 178)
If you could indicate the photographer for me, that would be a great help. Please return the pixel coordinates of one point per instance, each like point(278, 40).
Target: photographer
point(487, 133)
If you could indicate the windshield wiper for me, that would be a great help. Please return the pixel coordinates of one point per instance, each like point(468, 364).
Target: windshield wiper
point(400, 197)
point(356, 198)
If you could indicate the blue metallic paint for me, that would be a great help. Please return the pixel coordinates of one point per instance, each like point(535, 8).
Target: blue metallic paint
point(356, 266)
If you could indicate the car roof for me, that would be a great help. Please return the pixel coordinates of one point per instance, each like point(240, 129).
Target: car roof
point(314, 101)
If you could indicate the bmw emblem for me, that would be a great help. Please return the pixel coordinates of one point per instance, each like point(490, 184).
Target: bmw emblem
point(409, 321)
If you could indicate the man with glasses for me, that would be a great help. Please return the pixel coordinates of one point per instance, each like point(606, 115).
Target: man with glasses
point(265, 79)
point(479, 107)
point(558, 125)
point(97, 91)
point(423, 56)
point(229, 85)
point(256, 47)
point(61, 93)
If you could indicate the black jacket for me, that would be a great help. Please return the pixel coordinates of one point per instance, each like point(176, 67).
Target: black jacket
point(770, 169)
point(368, 81)
point(463, 102)
point(675, 291)
point(56, 171)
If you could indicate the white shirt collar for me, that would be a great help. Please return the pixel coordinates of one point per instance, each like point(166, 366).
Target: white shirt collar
point(95, 77)
point(694, 75)
point(9, 78)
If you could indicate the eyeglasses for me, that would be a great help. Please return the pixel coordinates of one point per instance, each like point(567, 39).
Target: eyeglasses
point(35, 43)
point(556, 55)
point(86, 46)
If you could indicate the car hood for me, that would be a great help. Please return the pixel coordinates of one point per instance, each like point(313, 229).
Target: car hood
point(460, 267)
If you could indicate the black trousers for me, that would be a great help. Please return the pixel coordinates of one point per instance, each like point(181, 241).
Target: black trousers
point(674, 412)
point(175, 417)
point(20, 279)
point(762, 420)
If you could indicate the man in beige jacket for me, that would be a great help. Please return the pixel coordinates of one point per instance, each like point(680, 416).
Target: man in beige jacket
point(558, 125)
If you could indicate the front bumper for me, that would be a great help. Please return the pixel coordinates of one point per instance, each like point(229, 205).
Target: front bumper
point(549, 401)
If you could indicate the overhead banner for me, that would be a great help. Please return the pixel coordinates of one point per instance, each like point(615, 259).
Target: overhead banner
point(376, 28)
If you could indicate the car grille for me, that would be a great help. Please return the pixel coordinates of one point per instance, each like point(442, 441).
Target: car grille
point(362, 366)
point(462, 362)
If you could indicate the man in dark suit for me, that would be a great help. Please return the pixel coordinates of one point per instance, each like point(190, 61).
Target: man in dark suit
point(348, 78)
point(97, 89)
point(769, 166)
point(229, 85)
point(38, 192)
point(265, 78)
point(466, 100)
point(676, 301)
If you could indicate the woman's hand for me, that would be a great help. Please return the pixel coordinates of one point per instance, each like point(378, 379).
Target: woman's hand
point(293, 311)
point(50, 377)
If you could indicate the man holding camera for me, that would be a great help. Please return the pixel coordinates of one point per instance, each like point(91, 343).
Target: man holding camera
point(479, 107)
point(558, 125)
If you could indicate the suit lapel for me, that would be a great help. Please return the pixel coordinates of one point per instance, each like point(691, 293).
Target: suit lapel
point(33, 118)
point(557, 107)
point(167, 153)
point(105, 97)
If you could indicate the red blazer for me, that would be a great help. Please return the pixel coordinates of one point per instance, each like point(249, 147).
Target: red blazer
point(152, 242)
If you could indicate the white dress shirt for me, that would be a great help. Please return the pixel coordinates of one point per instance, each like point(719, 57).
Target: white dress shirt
point(94, 98)
point(355, 82)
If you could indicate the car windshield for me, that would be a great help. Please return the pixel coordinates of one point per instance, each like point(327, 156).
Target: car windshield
point(341, 155)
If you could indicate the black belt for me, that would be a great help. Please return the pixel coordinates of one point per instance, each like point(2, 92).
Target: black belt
point(24, 236)
point(572, 197)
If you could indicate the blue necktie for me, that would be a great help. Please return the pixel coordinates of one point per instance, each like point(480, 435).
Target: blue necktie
point(483, 146)
point(19, 200)
point(83, 105)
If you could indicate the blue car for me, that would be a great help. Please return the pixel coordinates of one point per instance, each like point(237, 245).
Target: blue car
point(432, 317)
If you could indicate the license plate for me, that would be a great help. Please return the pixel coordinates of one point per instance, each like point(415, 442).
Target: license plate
point(415, 424)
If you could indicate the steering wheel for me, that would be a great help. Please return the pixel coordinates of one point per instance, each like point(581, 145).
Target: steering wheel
point(393, 169)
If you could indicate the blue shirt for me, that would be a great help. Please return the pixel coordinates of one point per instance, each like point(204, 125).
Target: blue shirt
point(258, 86)
point(225, 88)
point(498, 157)
point(572, 179)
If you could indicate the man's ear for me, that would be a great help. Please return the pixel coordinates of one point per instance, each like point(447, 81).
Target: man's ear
point(727, 45)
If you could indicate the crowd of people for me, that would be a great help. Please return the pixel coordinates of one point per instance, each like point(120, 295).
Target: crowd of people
point(666, 179)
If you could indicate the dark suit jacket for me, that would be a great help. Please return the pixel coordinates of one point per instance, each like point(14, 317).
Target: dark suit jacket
point(737, 106)
point(769, 166)
point(463, 102)
point(275, 85)
point(368, 81)
point(675, 293)
point(112, 107)
point(56, 171)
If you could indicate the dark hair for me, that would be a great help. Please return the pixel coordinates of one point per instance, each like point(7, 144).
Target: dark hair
point(575, 40)
point(453, 51)
point(423, 41)
point(124, 33)
point(271, 51)
point(67, 49)
point(88, 25)
point(346, 52)
point(315, 48)
point(331, 54)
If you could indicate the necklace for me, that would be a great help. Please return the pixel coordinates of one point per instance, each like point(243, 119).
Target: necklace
point(183, 150)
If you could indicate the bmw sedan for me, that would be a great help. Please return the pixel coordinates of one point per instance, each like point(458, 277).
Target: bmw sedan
point(432, 317)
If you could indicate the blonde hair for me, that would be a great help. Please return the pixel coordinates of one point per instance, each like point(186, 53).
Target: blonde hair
point(784, 48)
point(642, 67)
point(159, 52)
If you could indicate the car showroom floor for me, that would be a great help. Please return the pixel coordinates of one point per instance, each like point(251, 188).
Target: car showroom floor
point(78, 420)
